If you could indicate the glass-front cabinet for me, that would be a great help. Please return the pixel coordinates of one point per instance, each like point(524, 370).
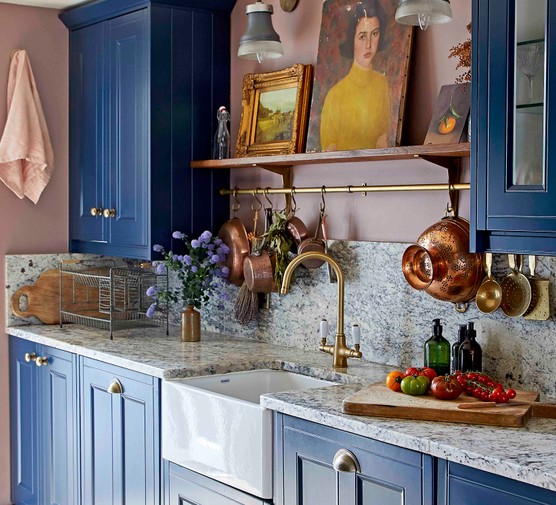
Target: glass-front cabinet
point(513, 194)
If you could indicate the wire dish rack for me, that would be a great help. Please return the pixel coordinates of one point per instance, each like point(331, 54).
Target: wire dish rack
point(109, 297)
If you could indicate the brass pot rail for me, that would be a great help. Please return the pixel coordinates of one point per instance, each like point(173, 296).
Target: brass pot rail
point(364, 189)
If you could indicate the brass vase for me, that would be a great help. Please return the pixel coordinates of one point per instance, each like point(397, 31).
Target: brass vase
point(190, 325)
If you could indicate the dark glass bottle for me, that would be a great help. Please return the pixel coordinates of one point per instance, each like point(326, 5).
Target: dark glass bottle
point(221, 144)
point(462, 335)
point(470, 353)
point(437, 351)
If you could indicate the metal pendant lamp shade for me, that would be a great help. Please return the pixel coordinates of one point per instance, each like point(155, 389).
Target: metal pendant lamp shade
point(260, 40)
point(423, 13)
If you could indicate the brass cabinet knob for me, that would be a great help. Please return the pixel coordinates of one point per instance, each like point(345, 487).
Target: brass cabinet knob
point(115, 387)
point(30, 357)
point(41, 361)
point(96, 211)
point(109, 213)
point(345, 461)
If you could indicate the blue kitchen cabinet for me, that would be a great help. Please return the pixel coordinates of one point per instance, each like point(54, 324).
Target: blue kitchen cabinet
point(120, 435)
point(513, 197)
point(318, 465)
point(184, 487)
point(463, 485)
point(146, 79)
point(43, 424)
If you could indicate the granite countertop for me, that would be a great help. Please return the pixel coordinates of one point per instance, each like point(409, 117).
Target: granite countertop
point(525, 454)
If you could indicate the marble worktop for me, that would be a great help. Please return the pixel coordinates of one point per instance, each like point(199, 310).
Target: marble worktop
point(525, 454)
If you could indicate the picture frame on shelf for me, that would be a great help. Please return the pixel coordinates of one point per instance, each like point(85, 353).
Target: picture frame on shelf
point(361, 77)
point(449, 119)
point(274, 112)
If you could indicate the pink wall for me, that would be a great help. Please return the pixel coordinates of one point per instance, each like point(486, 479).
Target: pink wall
point(25, 227)
point(379, 217)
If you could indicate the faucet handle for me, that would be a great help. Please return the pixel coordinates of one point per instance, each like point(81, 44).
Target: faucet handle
point(323, 330)
point(356, 335)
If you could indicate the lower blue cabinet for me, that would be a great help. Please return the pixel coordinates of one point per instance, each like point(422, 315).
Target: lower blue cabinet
point(43, 425)
point(120, 436)
point(184, 487)
point(463, 485)
point(317, 465)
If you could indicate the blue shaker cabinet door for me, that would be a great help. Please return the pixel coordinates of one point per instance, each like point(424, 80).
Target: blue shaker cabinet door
point(128, 129)
point(120, 440)
point(87, 179)
point(59, 434)
point(24, 427)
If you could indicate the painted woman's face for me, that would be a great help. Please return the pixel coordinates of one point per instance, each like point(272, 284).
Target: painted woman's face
point(365, 44)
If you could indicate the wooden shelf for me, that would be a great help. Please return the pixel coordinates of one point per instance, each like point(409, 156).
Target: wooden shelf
point(440, 154)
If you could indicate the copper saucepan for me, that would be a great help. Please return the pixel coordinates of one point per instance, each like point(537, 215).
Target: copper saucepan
point(259, 272)
point(234, 235)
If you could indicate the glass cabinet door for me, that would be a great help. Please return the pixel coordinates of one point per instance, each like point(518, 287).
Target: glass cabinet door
point(528, 168)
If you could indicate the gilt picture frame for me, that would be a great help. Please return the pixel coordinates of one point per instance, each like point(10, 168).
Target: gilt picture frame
point(274, 112)
point(359, 91)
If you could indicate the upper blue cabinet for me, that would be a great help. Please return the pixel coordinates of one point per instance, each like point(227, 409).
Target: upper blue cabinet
point(146, 79)
point(513, 202)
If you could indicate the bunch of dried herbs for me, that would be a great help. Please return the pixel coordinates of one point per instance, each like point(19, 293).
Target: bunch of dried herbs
point(462, 51)
point(278, 242)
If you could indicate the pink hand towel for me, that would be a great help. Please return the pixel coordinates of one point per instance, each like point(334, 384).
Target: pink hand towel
point(26, 156)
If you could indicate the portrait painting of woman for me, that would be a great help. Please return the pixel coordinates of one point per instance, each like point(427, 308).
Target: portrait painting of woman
point(360, 77)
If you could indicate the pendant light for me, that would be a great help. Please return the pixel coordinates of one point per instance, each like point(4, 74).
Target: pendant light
point(423, 13)
point(260, 40)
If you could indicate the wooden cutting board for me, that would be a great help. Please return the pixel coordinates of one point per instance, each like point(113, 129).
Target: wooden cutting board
point(43, 297)
point(377, 400)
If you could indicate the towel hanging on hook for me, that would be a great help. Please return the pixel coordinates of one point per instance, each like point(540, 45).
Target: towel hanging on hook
point(13, 52)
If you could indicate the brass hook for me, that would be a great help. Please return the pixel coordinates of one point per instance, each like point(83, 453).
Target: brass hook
point(323, 202)
point(253, 208)
point(235, 204)
point(265, 193)
point(293, 206)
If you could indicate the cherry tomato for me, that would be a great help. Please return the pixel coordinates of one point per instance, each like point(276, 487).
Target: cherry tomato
point(446, 387)
point(394, 379)
point(511, 393)
point(415, 385)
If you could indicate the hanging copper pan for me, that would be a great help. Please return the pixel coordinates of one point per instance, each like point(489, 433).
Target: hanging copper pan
point(234, 235)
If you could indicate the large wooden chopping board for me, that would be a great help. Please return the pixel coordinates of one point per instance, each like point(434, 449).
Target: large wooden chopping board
point(43, 297)
point(377, 400)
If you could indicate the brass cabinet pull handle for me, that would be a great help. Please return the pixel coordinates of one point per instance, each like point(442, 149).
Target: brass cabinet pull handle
point(345, 461)
point(30, 357)
point(109, 213)
point(115, 387)
point(41, 361)
point(96, 211)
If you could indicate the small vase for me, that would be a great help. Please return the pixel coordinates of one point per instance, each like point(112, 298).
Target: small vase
point(190, 325)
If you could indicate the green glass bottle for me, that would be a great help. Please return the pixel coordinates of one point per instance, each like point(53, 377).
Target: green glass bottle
point(437, 351)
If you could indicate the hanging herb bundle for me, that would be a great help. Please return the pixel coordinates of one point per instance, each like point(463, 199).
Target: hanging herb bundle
point(277, 240)
point(462, 51)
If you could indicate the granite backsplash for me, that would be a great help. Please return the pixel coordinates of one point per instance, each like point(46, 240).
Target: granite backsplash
point(395, 319)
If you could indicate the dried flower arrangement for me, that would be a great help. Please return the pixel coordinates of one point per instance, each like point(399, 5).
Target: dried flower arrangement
point(463, 52)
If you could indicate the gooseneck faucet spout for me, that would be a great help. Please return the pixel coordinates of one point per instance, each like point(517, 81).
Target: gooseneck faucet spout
point(339, 350)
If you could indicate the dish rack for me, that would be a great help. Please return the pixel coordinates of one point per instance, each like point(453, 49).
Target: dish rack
point(109, 297)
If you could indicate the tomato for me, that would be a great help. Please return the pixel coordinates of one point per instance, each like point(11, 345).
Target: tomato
point(511, 393)
point(394, 379)
point(446, 387)
point(415, 385)
point(427, 372)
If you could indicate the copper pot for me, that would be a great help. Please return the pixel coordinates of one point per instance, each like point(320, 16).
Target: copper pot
point(456, 273)
point(258, 271)
point(234, 235)
point(298, 232)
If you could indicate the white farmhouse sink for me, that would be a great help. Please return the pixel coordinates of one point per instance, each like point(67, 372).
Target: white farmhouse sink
point(215, 426)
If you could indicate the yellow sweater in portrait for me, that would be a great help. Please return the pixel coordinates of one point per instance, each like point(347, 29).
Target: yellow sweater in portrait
point(356, 111)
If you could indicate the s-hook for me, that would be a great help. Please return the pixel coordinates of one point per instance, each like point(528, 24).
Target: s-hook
point(323, 201)
point(235, 204)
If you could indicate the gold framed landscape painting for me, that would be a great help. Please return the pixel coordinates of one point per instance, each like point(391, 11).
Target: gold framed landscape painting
point(274, 112)
point(360, 77)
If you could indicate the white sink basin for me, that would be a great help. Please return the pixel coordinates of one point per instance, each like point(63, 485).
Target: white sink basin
point(215, 426)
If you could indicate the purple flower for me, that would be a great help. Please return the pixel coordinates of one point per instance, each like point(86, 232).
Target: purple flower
point(178, 235)
point(158, 248)
point(214, 258)
point(217, 242)
point(187, 260)
point(193, 268)
point(161, 268)
point(205, 237)
point(210, 247)
point(152, 291)
point(175, 257)
point(195, 244)
point(225, 271)
point(151, 310)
